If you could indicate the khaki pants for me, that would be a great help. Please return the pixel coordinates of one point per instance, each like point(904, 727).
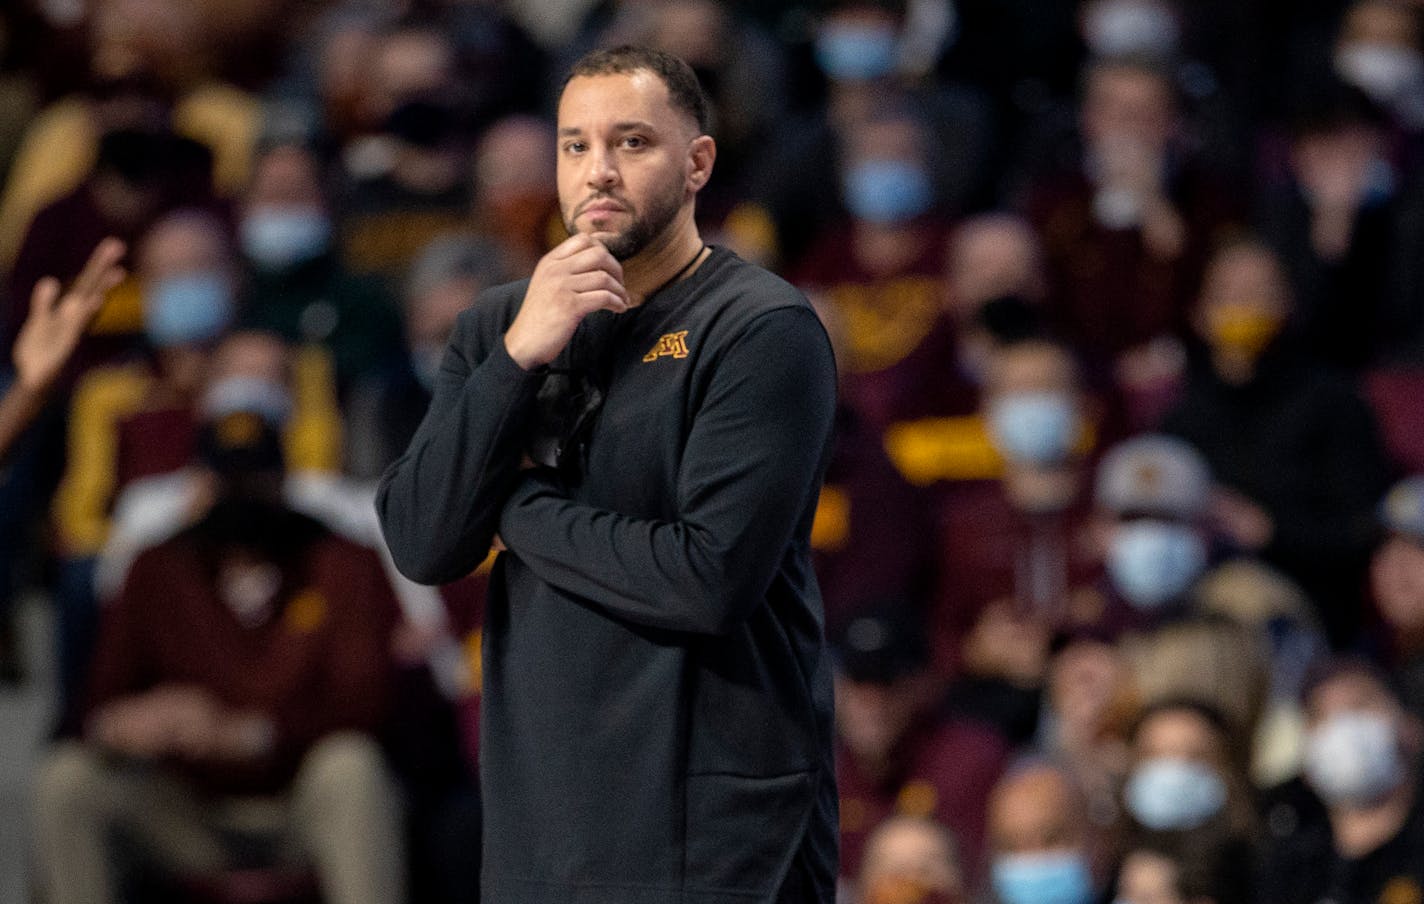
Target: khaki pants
point(341, 815)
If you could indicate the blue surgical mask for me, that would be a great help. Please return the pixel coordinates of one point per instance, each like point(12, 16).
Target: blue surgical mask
point(1051, 877)
point(1116, 28)
point(1167, 793)
point(1152, 563)
point(277, 237)
point(1036, 428)
point(1353, 759)
point(187, 309)
point(888, 191)
point(857, 52)
point(231, 395)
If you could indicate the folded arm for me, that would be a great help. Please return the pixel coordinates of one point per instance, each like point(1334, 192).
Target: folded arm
point(439, 503)
point(750, 468)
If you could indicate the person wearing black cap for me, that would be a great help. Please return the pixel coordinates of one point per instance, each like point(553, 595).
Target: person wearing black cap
point(895, 752)
point(239, 677)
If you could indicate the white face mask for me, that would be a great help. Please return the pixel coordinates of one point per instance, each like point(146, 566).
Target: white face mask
point(1383, 71)
point(1114, 28)
point(250, 591)
point(1353, 759)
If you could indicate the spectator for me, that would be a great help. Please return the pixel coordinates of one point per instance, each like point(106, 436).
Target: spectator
point(910, 860)
point(895, 753)
point(238, 679)
point(1361, 762)
point(1126, 232)
point(1153, 492)
point(446, 279)
point(1345, 224)
point(407, 183)
point(52, 329)
point(1187, 786)
point(992, 259)
point(515, 200)
point(1378, 51)
point(880, 275)
point(1293, 450)
point(1042, 852)
point(857, 48)
point(1397, 577)
point(1017, 561)
point(1174, 874)
point(140, 172)
point(297, 285)
point(189, 279)
point(1090, 705)
point(51, 333)
point(161, 46)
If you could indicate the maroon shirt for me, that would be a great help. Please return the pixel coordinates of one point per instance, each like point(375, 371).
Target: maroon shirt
point(899, 358)
point(319, 664)
point(946, 771)
point(1109, 291)
point(991, 551)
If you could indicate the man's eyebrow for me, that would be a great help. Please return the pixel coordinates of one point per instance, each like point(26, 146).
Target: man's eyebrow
point(632, 125)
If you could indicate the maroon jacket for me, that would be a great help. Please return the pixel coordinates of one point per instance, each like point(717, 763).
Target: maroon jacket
point(320, 664)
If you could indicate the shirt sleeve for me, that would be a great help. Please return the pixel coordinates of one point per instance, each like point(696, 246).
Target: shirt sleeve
point(751, 466)
point(439, 503)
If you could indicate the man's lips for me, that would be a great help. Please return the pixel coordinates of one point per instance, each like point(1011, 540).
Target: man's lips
point(602, 206)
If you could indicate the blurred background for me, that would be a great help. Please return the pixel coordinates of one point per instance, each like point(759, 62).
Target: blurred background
point(1122, 557)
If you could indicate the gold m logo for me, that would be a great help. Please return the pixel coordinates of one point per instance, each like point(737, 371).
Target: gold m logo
point(671, 345)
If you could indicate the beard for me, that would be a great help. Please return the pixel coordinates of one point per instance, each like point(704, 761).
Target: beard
point(645, 226)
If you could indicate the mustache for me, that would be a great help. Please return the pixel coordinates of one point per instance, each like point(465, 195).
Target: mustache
point(602, 196)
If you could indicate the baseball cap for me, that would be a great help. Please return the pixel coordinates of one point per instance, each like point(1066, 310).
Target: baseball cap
point(1154, 474)
point(880, 645)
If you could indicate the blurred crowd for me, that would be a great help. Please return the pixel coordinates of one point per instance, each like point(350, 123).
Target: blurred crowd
point(1122, 557)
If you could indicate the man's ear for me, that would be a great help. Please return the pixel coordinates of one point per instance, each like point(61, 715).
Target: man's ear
point(701, 154)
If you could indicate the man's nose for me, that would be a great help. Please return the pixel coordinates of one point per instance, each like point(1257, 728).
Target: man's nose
point(603, 169)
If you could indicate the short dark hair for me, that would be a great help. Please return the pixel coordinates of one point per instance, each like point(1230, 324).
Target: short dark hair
point(684, 90)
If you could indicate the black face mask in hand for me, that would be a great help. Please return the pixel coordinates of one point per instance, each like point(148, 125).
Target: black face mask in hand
point(570, 399)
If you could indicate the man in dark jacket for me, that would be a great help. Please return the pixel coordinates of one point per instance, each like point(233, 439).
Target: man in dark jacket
point(1294, 450)
point(643, 424)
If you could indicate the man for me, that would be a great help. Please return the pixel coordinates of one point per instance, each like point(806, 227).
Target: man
point(1293, 450)
point(657, 704)
point(911, 860)
point(1361, 761)
point(50, 333)
point(1042, 850)
point(239, 679)
point(897, 752)
point(1397, 581)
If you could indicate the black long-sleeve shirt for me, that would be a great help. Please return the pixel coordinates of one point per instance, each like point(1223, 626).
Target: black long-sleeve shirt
point(657, 699)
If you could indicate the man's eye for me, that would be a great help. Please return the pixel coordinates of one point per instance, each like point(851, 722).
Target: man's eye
point(575, 147)
point(634, 141)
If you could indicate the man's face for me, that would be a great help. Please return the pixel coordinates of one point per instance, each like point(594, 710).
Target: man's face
point(1127, 104)
point(625, 172)
point(1397, 573)
point(1350, 693)
point(1034, 812)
